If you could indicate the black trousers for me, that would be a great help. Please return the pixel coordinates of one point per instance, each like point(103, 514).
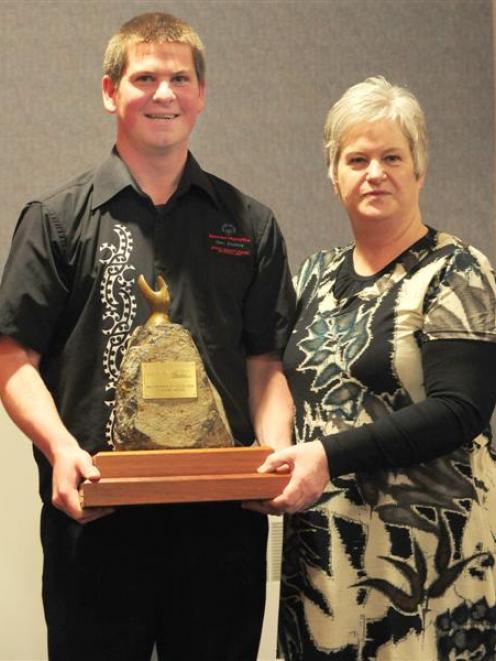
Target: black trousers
point(190, 578)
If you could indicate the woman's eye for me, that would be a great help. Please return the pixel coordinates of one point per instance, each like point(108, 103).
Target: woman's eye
point(356, 160)
point(393, 158)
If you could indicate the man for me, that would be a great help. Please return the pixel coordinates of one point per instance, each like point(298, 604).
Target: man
point(188, 578)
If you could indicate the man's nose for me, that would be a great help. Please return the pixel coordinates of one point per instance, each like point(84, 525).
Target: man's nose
point(163, 92)
point(376, 171)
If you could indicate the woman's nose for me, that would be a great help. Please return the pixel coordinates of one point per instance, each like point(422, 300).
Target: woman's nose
point(375, 171)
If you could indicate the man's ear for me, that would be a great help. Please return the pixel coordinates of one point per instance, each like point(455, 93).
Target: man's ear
point(201, 96)
point(108, 93)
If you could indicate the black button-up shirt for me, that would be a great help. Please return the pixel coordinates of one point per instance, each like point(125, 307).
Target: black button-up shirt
point(69, 287)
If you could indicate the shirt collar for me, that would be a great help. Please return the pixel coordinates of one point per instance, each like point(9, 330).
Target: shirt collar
point(110, 178)
point(113, 176)
point(193, 175)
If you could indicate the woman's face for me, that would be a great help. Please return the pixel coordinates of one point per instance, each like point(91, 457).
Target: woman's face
point(375, 174)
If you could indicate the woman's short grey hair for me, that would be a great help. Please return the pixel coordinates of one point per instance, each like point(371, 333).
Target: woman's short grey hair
point(372, 100)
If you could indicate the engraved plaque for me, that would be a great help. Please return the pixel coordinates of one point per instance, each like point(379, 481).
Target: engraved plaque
point(169, 380)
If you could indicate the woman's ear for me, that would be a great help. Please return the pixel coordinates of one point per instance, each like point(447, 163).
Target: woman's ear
point(421, 179)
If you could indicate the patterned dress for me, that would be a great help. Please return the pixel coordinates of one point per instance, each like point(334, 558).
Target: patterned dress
point(389, 564)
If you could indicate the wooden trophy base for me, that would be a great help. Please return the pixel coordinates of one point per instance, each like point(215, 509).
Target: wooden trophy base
point(181, 476)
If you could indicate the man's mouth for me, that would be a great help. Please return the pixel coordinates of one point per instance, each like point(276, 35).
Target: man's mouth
point(161, 115)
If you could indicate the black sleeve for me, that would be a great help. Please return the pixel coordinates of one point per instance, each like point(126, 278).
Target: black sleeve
point(460, 384)
point(34, 286)
point(270, 303)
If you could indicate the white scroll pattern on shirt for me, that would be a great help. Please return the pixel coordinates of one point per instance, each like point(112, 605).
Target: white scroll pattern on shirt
point(119, 309)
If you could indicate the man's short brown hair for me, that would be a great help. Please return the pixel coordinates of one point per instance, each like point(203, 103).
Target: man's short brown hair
point(154, 27)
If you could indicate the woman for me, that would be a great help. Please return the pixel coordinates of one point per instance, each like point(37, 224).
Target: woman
point(392, 366)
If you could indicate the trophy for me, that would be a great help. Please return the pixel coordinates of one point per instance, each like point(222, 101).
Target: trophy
point(171, 437)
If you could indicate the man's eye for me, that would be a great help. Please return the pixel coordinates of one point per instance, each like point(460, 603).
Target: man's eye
point(145, 78)
point(180, 78)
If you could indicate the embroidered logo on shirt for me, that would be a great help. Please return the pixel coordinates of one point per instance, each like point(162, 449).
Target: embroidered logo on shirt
point(228, 228)
point(228, 244)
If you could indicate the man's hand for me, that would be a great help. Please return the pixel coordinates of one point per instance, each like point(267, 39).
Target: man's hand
point(70, 468)
point(31, 407)
point(309, 476)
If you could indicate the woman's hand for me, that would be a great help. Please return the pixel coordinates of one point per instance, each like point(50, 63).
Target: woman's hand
point(309, 476)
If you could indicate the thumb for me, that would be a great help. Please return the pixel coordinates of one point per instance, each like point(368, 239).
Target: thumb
point(276, 460)
point(89, 471)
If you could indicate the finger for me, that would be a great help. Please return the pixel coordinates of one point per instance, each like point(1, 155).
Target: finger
point(277, 506)
point(94, 513)
point(274, 461)
point(261, 506)
point(70, 503)
point(284, 468)
point(289, 501)
point(68, 499)
point(90, 473)
point(74, 512)
point(254, 506)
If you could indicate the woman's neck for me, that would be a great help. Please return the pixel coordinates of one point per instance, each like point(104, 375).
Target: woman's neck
point(379, 243)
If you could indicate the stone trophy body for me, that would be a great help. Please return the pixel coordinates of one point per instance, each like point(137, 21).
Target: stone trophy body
point(164, 398)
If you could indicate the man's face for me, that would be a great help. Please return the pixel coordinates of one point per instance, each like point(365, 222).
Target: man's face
point(157, 100)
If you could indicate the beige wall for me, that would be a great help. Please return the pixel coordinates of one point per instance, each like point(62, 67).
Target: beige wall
point(22, 628)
